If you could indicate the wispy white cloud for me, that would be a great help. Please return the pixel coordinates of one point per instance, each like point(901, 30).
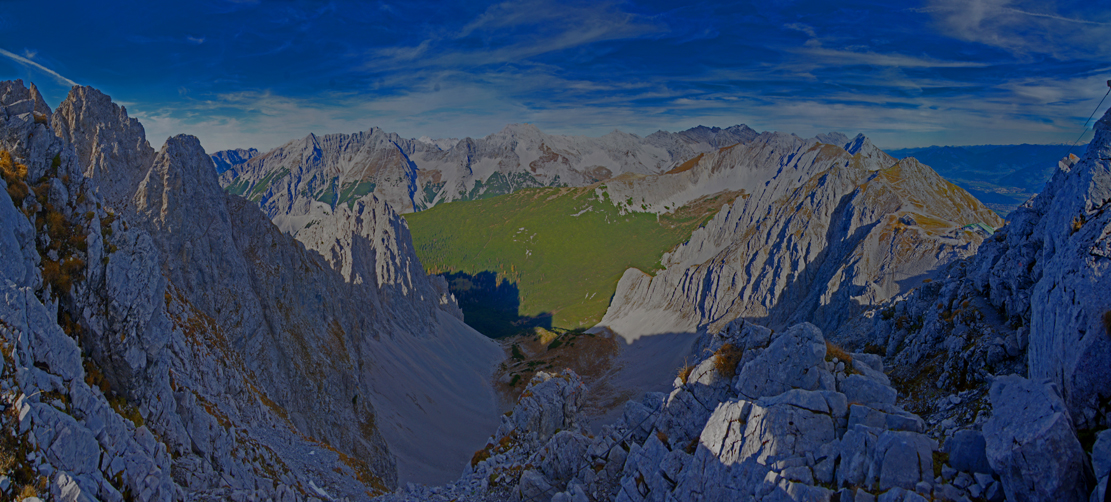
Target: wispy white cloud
point(835, 57)
point(25, 61)
point(1036, 110)
point(1026, 26)
point(815, 53)
point(516, 31)
point(807, 29)
point(1055, 17)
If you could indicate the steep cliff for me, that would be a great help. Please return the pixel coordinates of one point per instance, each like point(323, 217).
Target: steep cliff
point(1032, 295)
point(820, 232)
point(1009, 349)
point(211, 344)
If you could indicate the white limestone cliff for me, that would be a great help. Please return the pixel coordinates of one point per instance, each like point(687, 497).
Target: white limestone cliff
point(819, 233)
point(211, 345)
point(305, 180)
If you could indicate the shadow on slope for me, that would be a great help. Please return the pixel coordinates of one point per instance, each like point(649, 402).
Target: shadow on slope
point(491, 306)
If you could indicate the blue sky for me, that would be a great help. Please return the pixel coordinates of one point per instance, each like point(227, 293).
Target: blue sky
point(255, 73)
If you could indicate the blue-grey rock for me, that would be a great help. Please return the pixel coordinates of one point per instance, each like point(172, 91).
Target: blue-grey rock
point(1031, 444)
point(893, 495)
point(795, 359)
point(858, 446)
point(805, 399)
point(860, 389)
point(967, 452)
point(949, 493)
point(905, 422)
point(902, 459)
point(1099, 493)
point(1101, 454)
point(863, 415)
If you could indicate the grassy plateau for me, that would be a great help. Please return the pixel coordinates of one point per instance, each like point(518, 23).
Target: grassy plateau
point(564, 249)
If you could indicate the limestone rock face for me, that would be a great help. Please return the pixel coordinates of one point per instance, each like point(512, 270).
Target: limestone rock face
point(1053, 265)
point(111, 146)
point(1101, 464)
point(821, 232)
point(26, 130)
point(1032, 445)
point(163, 338)
point(181, 205)
point(968, 452)
point(369, 243)
point(299, 182)
point(775, 370)
point(225, 159)
point(707, 441)
point(1029, 303)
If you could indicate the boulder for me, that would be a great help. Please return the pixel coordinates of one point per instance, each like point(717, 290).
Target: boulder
point(549, 403)
point(793, 360)
point(724, 431)
point(1031, 444)
point(902, 459)
point(863, 390)
point(560, 459)
point(967, 452)
point(783, 431)
point(805, 399)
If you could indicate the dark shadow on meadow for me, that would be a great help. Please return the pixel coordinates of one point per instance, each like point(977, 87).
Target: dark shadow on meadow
point(491, 306)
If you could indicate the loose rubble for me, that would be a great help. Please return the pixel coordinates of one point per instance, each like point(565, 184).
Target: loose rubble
point(762, 416)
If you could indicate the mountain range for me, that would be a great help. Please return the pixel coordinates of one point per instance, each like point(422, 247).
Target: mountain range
point(835, 324)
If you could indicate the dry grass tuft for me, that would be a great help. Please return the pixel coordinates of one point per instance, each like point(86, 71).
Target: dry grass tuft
point(662, 437)
point(833, 350)
point(685, 372)
point(479, 456)
point(27, 492)
point(727, 358)
point(15, 175)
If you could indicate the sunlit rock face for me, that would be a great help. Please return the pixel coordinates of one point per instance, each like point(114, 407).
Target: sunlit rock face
point(299, 182)
point(170, 330)
point(822, 232)
point(1028, 304)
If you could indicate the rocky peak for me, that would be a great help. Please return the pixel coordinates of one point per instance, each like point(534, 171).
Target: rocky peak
point(225, 159)
point(789, 249)
point(26, 128)
point(181, 180)
point(13, 93)
point(111, 145)
point(717, 137)
point(367, 243)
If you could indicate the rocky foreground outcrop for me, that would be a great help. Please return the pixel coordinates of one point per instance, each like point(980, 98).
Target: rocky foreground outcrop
point(762, 416)
point(1022, 325)
point(162, 340)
